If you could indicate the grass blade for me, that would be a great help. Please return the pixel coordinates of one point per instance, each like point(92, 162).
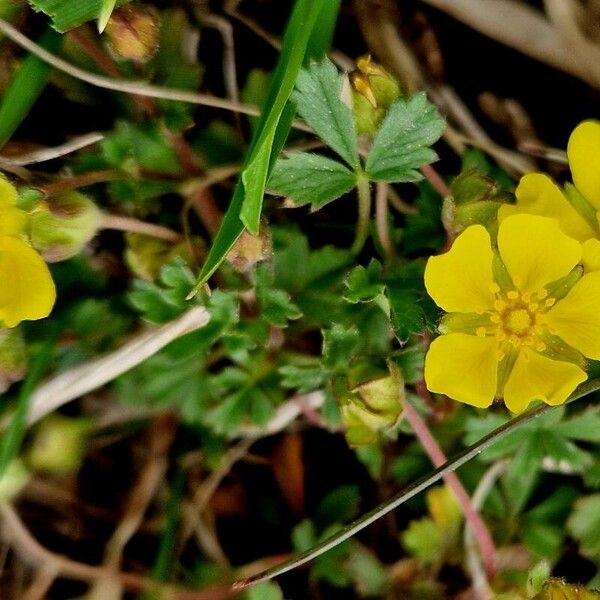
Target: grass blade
point(25, 88)
point(301, 42)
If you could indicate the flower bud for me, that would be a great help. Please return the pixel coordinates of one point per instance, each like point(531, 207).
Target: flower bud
point(13, 359)
point(250, 249)
point(59, 229)
point(373, 92)
point(58, 445)
point(132, 33)
point(373, 406)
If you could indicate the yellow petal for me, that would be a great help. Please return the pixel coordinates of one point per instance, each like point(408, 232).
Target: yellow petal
point(463, 367)
point(576, 318)
point(591, 255)
point(536, 377)
point(8, 192)
point(538, 195)
point(584, 159)
point(12, 220)
point(535, 251)
point(461, 279)
point(27, 291)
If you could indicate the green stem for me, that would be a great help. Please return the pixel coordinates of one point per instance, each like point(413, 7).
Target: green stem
point(407, 493)
point(364, 213)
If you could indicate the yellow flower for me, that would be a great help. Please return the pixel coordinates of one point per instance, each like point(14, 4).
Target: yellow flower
point(27, 291)
point(577, 208)
point(522, 317)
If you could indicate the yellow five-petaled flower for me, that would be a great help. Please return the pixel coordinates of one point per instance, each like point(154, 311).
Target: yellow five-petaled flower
point(522, 315)
point(27, 291)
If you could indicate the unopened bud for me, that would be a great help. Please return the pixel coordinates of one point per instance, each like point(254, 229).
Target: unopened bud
point(371, 407)
point(59, 229)
point(250, 249)
point(13, 358)
point(373, 92)
point(58, 445)
point(132, 33)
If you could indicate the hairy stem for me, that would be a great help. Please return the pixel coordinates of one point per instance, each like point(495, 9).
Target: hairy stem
point(364, 214)
point(438, 458)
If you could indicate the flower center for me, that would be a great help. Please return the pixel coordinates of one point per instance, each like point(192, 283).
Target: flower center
point(518, 319)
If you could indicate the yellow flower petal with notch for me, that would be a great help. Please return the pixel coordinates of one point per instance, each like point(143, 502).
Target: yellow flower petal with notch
point(535, 251)
point(463, 367)
point(583, 152)
point(471, 256)
point(537, 377)
point(538, 195)
point(576, 318)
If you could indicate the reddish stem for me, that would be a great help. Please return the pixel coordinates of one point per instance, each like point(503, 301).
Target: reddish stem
point(438, 458)
point(436, 181)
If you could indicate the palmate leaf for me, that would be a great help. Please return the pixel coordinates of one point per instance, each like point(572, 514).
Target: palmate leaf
point(402, 144)
point(318, 99)
point(307, 178)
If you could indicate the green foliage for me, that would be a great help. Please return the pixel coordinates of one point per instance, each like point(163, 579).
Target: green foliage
point(402, 144)
point(307, 178)
point(584, 526)
point(319, 103)
point(25, 88)
point(67, 14)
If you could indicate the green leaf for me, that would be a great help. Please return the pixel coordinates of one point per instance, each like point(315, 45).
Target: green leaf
point(307, 178)
point(341, 504)
point(25, 88)
point(276, 306)
point(67, 14)
point(423, 539)
point(584, 526)
point(523, 472)
point(339, 343)
point(107, 7)
point(364, 285)
point(401, 145)
point(584, 427)
point(299, 42)
point(303, 379)
point(318, 99)
point(265, 591)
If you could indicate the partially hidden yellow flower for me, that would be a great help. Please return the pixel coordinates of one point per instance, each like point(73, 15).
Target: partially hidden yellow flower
point(522, 315)
point(27, 291)
point(577, 208)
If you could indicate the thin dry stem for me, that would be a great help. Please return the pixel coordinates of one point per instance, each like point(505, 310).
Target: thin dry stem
point(80, 380)
point(46, 154)
point(519, 26)
point(121, 223)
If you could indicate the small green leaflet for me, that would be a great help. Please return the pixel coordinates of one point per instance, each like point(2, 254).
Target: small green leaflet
point(402, 144)
point(310, 178)
point(319, 103)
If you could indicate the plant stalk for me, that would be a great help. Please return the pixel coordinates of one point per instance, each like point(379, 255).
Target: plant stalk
point(364, 214)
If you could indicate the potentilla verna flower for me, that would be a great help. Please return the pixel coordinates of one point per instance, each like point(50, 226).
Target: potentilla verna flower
point(522, 315)
point(27, 291)
point(577, 206)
